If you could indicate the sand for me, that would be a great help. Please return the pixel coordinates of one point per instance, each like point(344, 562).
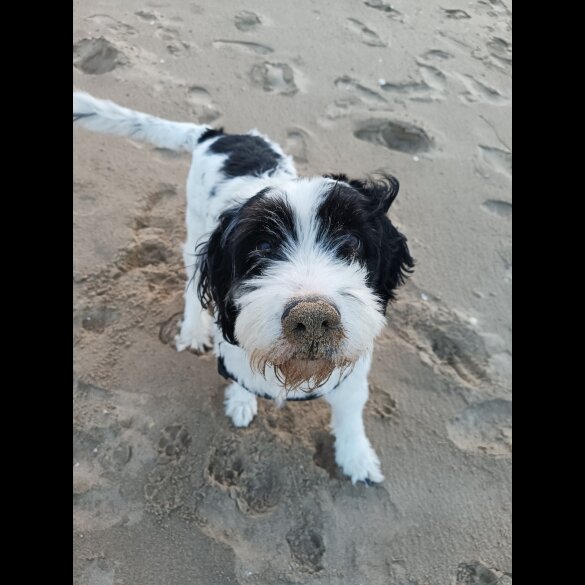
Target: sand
point(165, 490)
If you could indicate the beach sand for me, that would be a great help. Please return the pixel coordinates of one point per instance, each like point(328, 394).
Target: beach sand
point(166, 491)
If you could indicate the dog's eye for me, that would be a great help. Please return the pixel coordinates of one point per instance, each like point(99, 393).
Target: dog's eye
point(351, 241)
point(263, 246)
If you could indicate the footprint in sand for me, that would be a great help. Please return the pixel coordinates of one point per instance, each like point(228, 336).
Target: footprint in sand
point(342, 108)
point(296, 144)
point(356, 97)
point(458, 347)
point(485, 427)
point(149, 217)
point(497, 54)
point(171, 36)
point(246, 47)
point(202, 105)
point(106, 454)
point(436, 55)
point(433, 77)
point(446, 340)
point(111, 24)
point(479, 92)
point(174, 441)
point(98, 572)
point(477, 573)
point(413, 90)
point(394, 134)
point(149, 17)
point(247, 21)
point(365, 34)
point(148, 250)
point(250, 466)
point(168, 487)
point(274, 78)
point(498, 208)
point(455, 13)
point(97, 56)
point(163, 192)
point(381, 403)
point(385, 8)
point(430, 88)
point(96, 319)
point(353, 86)
point(306, 547)
point(500, 49)
point(499, 160)
point(454, 42)
point(494, 8)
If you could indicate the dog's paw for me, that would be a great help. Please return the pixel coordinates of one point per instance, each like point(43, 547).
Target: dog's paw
point(359, 461)
point(198, 337)
point(195, 343)
point(240, 405)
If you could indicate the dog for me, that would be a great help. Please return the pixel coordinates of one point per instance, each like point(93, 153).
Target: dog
point(293, 274)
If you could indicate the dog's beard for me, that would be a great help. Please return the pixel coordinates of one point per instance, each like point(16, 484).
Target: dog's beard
point(298, 371)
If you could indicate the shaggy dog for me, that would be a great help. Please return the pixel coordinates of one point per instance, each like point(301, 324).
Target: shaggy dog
point(296, 271)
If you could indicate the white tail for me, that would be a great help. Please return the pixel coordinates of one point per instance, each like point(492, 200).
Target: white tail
point(109, 118)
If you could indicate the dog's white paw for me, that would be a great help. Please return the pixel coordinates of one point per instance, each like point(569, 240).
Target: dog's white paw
point(358, 460)
point(196, 337)
point(240, 405)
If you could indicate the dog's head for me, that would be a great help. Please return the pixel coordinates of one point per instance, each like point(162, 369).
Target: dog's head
point(300, 275)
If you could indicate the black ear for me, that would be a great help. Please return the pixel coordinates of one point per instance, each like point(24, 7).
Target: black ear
point(215, 264)
point(380, 192)
point(395, 263)
point(389, 260)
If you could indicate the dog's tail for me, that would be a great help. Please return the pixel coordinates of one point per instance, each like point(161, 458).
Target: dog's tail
point(110, 118)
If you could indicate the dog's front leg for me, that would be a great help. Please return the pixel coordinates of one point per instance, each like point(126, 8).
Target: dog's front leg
point(353, 452)
point(240, 405)
point(197, 324)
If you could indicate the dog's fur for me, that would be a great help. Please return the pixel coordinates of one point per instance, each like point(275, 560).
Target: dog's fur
point(265, 238)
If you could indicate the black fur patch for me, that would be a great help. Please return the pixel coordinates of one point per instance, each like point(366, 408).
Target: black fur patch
point(359, 211)
point(210, 133)
point(248, 155)
point(231, 254)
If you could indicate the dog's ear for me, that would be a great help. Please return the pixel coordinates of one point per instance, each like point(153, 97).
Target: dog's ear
point(215, 266)
point(379, 192)
point(395, 261)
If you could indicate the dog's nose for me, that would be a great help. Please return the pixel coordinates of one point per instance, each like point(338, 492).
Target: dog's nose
point(311, 319)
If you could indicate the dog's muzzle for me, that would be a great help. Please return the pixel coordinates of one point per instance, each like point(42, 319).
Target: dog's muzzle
point(313, 326)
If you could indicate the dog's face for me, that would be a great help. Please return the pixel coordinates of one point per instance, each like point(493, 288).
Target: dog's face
point(300, 276)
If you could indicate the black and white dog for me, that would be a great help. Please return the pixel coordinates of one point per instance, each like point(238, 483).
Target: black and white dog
point(298, 271)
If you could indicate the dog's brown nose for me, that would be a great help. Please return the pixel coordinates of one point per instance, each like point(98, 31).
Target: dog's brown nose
point(307, 320)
